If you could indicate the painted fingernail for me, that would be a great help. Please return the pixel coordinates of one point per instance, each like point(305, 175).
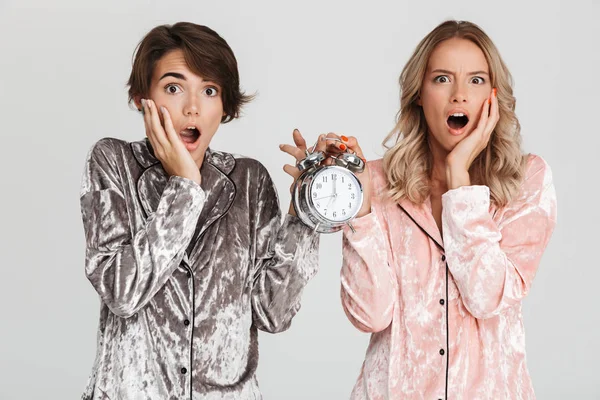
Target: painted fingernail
point(344, 138)
point(489, 101)
point(495, 91)
point(342, 147)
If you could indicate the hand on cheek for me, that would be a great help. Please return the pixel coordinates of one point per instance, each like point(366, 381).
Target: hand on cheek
point(462, 156)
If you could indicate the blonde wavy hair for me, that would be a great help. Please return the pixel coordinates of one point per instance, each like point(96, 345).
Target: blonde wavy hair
point(408, 162)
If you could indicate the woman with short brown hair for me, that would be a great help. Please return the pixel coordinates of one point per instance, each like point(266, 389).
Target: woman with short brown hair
point(185, 244)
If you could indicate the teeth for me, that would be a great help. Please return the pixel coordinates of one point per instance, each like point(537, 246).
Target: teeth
point(191, 127)
point(458, 115)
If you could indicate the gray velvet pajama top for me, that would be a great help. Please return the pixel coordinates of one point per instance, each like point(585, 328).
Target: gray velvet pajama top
point(186, 273)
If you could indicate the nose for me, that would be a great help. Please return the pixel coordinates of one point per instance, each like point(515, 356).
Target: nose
point(191, 106)
point(459, 93)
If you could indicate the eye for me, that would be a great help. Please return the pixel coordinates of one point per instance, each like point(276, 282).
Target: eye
point(478, 80)
point(442, 79)
point(211, 91)
point(172, 89)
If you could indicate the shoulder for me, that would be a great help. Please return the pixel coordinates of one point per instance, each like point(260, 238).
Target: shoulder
point(106, 149)
point(102, 165)
point(537, 173)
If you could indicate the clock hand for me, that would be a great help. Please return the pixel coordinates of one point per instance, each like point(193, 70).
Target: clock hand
point(326, 197)
point(332, 198)
point(334, 187)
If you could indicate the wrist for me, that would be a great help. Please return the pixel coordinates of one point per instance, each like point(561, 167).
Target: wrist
point(292, 210)
point(457, 177)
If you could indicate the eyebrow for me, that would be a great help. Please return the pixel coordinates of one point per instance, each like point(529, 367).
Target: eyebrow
point(445, 71)
point(174, 75)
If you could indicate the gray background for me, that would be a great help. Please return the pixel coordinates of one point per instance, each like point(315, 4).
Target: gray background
point(318, 66)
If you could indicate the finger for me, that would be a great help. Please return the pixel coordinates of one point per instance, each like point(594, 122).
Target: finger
point(299, 139)
point(494, 113)
point(169, 129)
point(483, 118)
point(148, 126)
point(155, 125)
point(293, 151)
point(291, 170)
point(353, 145)
point(337, 144)
point(321, 144)
point(329, 143)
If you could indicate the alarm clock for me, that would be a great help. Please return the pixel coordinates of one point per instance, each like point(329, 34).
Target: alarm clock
point(327, 197)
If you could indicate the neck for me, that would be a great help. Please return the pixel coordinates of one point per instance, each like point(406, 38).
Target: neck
point(438, 169)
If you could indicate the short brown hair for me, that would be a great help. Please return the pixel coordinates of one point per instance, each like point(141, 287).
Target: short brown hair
point(206, 53)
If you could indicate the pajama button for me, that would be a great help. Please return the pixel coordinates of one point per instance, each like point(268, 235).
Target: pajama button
point(443, 258)
point(183, 370)
point(442, 352)
point(186, 322)
point(442, 301)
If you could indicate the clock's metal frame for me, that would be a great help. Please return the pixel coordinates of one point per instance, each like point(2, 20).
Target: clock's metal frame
point(302, 201)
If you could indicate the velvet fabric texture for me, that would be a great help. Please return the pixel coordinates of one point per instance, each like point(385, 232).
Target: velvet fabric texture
point(444, 310)
point(186, 273)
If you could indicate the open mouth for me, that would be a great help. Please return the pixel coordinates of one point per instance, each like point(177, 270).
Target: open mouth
point(457, 121)
point(190, 134)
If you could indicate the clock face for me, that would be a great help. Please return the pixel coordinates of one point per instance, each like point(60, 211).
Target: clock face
point(336, 194)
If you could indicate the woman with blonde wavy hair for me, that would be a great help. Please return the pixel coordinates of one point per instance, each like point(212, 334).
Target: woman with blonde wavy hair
point(451, 232)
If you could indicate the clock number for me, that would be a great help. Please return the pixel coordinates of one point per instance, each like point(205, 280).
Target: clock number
point(349, 186)
point(353, 196)
point(343, 211)
point(350, 206)
point(333, 177)
point(334, 214)
point(319, 185)
point(342, 179)
point(318, 205)
point(325, 179)
point(315, 195)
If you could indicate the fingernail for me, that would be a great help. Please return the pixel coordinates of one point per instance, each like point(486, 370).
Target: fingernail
point(489, 101)
point(342, 146)
point(163, 109)
point(143, 102)
point(344, 138)
point(281, 146)
point(495, 92)
point(296, 130)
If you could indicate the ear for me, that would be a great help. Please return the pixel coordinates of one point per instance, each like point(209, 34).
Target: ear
point(137, 100)
point(419, 102)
